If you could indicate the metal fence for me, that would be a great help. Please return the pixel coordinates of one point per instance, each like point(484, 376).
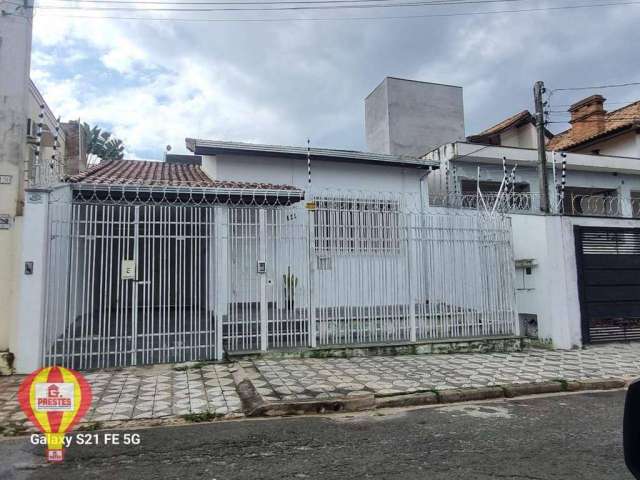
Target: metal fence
point(145, 279)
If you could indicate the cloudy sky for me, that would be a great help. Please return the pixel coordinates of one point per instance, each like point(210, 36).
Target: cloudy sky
point(154, 83)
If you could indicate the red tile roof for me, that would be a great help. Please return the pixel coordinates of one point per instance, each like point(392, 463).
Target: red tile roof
point(615, 121)
point(147, 173)
point(515, 120)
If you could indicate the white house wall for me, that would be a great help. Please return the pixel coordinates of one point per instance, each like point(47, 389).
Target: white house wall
point(627, 145)
point(551, 290)
point(324, 174)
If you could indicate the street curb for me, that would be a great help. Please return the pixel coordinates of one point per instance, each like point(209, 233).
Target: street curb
point(456, 395)
point(254, 404)
point(250, 399)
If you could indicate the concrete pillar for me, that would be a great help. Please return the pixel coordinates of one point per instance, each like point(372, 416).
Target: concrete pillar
point(219, 288)
point(27, 336)
point(562, 300)
point(624, 199)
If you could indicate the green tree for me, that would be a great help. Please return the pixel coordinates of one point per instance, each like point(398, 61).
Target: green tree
point(101, 145)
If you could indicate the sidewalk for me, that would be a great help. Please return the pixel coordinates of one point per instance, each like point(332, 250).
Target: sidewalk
point(304, 379)
point(159, 392)
point(168, 393)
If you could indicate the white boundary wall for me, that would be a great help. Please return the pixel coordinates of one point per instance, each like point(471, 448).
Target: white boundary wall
point(551, 291)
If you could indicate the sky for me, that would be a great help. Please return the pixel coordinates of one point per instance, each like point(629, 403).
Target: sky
point(153, 83)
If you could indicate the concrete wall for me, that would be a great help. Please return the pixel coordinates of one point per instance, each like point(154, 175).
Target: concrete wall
point(406, 117)
point(551, 291)
point(522, 137)
point(627, 145)
point(325, 175)
point(15, 50)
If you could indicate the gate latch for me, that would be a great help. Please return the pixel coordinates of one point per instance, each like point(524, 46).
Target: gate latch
point(261, 267)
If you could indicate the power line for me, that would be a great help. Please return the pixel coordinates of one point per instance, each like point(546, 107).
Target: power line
point(627, 102)
point(176, 8)
point(595, 87)
point(331, 19)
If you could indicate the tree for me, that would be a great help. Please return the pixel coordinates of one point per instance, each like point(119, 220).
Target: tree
point(101, 145)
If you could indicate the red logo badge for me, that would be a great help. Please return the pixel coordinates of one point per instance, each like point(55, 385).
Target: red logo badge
point(54, 399)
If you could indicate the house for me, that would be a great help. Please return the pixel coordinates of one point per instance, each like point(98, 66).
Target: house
point(34, 148)
point(189, 259)
point(594, 189)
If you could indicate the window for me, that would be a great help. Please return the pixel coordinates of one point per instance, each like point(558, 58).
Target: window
point(356, 226)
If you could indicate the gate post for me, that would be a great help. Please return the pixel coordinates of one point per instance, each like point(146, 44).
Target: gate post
point(262, 249)
point(27, 336)
point(410, 286)
point(311, 317)
point(219, 286)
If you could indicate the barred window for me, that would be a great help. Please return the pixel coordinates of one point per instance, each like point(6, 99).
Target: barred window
point(355, 226)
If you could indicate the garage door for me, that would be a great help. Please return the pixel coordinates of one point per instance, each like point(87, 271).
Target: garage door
point(608, 261)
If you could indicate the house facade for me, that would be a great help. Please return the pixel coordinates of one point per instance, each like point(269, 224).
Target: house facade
point(146, 262)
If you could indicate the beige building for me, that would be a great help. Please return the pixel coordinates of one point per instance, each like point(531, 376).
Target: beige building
point(35, 149)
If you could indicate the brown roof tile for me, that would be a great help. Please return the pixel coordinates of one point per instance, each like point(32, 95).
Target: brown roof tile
point(148, 173)
point(518, 118)
point(615, 121)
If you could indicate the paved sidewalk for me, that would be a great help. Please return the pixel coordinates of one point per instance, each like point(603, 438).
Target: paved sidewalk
point(168, 392)
point(138, 393)
point(305, 379)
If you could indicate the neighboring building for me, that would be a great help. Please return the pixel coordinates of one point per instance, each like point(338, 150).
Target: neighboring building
point(516, 131)
point(598, 132)
point(407, 117)
point(598, 198)
point(34, 148)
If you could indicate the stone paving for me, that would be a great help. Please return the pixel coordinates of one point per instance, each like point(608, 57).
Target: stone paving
point(136, 393)
point(303, 379)
point(170, 391)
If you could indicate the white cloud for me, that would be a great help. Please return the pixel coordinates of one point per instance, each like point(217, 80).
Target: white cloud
point(157, 83)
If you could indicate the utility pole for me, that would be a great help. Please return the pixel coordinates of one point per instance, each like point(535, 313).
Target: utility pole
point(538, 90)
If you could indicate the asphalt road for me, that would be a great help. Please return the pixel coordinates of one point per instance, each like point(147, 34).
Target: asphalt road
point(557, 437)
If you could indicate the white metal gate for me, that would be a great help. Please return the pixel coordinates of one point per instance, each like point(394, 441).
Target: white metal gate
point(134, 281)
point(129, 284)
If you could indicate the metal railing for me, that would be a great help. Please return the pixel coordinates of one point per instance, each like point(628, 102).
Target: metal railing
point(147, 281)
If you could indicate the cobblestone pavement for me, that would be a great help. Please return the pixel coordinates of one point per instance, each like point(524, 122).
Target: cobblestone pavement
point(301, 379)
point(153, 392)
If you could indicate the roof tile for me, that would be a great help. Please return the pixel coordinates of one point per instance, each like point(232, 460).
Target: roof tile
point(150, 173)
point(615, 121)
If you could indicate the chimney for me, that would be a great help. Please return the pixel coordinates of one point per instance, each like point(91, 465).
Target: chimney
point(408, 117)
point(588, 117)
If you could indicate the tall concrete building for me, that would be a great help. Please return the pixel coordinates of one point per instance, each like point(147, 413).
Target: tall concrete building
point(407, 117)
